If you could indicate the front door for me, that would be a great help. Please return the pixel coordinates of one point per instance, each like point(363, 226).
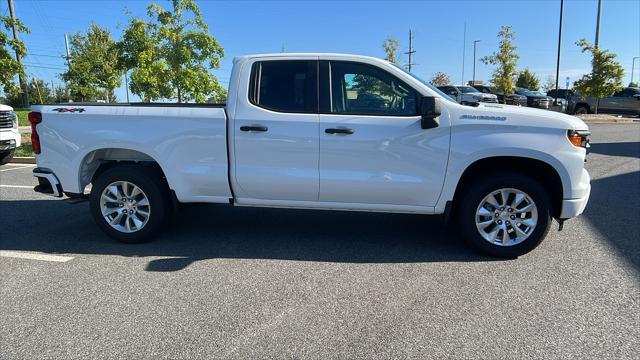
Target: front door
point(276, 135)
point(372, 147)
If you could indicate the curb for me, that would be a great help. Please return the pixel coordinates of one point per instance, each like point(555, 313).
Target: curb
point(23, 160)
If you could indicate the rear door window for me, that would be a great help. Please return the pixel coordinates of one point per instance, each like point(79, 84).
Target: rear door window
point(289, 86)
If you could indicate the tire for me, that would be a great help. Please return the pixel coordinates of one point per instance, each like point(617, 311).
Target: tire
point(6, 156)
point(581, 110)
point(516, 186)
point(144, 221)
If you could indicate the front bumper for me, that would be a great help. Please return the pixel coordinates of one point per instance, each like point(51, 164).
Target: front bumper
point(9, 139)
point(574, 207)
point(48, 183)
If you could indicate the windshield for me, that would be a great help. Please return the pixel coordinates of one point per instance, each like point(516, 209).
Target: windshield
point(467, 89)
point(426, 83)
point(523, 91)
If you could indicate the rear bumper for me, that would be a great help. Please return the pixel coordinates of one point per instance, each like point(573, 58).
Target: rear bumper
point(48, 183)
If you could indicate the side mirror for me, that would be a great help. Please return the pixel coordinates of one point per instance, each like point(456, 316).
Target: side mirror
point(430, 111)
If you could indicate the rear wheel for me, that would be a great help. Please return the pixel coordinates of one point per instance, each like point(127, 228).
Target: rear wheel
point(6, 156)
point(507, 215)
point(130, 203)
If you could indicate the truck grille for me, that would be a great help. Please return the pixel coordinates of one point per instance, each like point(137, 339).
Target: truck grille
point(490, 100)
point(6, 119)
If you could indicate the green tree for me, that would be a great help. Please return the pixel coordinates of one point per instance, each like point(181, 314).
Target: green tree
point(440, 79)
point(95, 69)
point(605, 77)
point(390, 46)
point(505, 60)
point(528, 80)
point(171, 54)
point(38, 90)
point(9, 67)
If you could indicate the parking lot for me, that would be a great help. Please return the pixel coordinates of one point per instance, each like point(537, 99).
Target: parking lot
point(249, 282)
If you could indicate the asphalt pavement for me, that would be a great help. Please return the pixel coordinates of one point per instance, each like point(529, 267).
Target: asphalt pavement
point(225, 282)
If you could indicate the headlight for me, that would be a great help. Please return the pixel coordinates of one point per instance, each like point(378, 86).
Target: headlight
point(15, 120)
point(476, 97)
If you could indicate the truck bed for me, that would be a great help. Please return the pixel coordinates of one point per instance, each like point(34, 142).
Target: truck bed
point(188, 141)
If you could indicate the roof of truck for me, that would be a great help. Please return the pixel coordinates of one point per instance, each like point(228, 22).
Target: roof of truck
point(327, 55)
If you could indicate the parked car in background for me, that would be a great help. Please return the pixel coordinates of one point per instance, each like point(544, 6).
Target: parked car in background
point(9, 134)
point(512, 99)
point(625, 101)
point(561, 93)
point(466, 95)
point(535, 99)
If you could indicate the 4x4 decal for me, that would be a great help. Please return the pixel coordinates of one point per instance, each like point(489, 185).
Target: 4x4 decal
point(70, 110)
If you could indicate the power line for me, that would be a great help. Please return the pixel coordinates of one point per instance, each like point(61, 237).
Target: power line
point(44, 67)
point(51, 56)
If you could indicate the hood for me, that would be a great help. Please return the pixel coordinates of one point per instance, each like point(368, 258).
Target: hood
point(526, 116)
point(5, 108)
point(481, 94)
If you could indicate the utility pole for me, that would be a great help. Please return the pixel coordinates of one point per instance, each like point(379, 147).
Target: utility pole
point(559, 42)
point(633, 64)
point(126, 83)
point(21, 79)
point(411, 51)
point(598, 23)
point(474, 61)
point(66, 45)
point(464, 49)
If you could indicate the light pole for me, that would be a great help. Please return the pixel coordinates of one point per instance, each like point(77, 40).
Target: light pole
point(475, 42)
point(555, 101)
point(633, 63)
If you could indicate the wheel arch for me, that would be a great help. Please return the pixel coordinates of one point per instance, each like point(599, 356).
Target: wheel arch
point(541, 171)
point(99, 160)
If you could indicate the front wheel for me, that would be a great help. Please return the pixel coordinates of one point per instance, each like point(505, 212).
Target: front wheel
point(506, 215)
point(581, 110)
point(129, 203)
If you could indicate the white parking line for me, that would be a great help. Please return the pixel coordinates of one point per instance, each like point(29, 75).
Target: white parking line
point(18, 168)
point(34, 256)
point(17, 186)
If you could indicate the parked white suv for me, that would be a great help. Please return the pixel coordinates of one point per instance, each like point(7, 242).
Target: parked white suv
point(9, 134)
point(320, 131)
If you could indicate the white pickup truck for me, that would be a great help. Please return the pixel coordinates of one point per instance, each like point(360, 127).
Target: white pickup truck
point(9, 134)
point(320, 131)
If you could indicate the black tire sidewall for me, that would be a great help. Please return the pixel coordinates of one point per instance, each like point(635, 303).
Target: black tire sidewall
point(6, 156)
point(473, 197)
point(581, 110)
point(150, 183)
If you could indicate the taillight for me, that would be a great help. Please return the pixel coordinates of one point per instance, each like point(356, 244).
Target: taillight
point(35, 118)
point(579, 138)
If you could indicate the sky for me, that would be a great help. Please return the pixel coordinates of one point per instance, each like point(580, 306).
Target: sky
point(360, 27)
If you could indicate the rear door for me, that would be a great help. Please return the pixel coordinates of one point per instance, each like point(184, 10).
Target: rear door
point(372, 147)
point(276, 132)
